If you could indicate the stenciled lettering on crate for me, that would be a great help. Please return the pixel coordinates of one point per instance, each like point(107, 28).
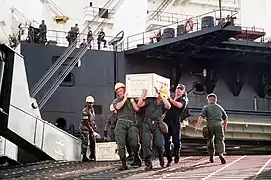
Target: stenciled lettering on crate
point(135, 83)
point(106, 151)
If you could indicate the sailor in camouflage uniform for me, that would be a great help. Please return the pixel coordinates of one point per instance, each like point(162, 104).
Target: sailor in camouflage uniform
point(126, 128)
point(214, 114)
point(87, 128)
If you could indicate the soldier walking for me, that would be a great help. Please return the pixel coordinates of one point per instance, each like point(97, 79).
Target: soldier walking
point(172, 119)
point(214, 114)
point(126, 127)
point(87, 127)
point(155, 109)
point(109, 129)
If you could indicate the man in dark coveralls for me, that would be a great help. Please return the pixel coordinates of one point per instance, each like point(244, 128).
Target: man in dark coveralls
point(214, 114)
point(172, 119)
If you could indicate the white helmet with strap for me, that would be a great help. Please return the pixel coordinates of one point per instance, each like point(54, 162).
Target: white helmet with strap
point(90, 99)
point(119, 85)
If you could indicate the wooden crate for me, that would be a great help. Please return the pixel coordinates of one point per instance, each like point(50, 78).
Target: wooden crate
point(136, 82)
point(106, 151)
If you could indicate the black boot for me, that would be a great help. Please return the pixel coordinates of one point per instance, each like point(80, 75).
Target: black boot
point(222, 159)
point(124, 165)
point(148, 164)
point(177, 155)
point(211, 159)
point(161, 159)
point(169, 158)
point(85, 159)
point(137, 161)
point(92, 156)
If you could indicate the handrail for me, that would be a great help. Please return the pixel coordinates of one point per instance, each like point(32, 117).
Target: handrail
point(94, 10)
point(60, 37)
point(160, 9)
point(40, 84)
point(170, 17)
point(236, 111)
point(68, 68)
point(144, 37)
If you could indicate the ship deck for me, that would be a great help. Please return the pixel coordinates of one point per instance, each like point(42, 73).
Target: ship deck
point(189, 167)
point(209, 43)
point(205, 37)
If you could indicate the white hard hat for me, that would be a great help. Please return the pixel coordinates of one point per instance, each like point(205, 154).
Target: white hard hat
point(90, 99)
point(119, 85)
point(111, 107)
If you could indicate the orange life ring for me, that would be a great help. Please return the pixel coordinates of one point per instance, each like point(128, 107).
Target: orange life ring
point(189, 25)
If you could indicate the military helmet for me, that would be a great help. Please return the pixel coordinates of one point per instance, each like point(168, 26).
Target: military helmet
point(211, 95)
point(90, 99)
point(205, 132)
point(111, 107)
point(163, 127)
point(164, 91)
point(119, 85)
point(181, 87)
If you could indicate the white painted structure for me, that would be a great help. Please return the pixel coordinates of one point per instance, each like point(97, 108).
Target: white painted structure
point(131, 16)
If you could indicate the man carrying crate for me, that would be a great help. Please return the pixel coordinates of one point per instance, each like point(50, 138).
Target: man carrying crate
point(155, 109)
point(126, 126)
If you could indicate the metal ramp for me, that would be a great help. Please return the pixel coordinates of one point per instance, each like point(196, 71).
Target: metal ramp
point(21, 122)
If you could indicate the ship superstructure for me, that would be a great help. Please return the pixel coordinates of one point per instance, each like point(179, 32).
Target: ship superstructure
point(132, 17)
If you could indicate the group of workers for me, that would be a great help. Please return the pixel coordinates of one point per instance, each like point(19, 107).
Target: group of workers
point(149, 123)
point(73, 34)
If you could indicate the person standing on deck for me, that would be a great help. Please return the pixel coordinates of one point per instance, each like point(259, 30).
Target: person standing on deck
point(87, 127)
point(214, 114)
point(172, 119)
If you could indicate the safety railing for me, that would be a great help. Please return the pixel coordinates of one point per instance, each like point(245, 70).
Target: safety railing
point(251, 104)
point(93, 11)
point(59, 37)
point(144, 37)
point(247, 31)
point(168, 17)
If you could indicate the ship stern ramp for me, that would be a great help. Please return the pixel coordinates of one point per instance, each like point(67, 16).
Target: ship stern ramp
point(242, 126)
point(21, 121)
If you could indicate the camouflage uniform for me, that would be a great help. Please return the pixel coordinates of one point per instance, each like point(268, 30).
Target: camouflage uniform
point(214, 115)
point(152, 138)
point(88, 116)
point(126, 131)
